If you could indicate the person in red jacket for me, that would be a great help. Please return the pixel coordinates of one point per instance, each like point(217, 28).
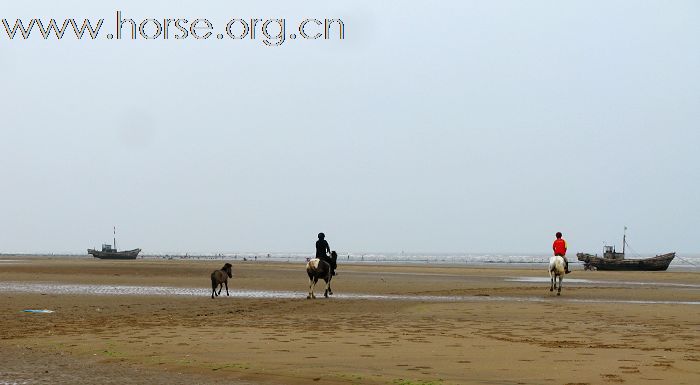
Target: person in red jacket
point(559, 247)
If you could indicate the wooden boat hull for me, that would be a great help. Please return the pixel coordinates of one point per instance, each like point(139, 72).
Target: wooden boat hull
point(658, 263)
point(126, 254)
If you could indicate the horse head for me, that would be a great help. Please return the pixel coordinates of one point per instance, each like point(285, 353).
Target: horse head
point(227, 269)
point(334, 259)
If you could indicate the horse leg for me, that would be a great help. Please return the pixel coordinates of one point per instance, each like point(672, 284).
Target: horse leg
point(328, 285)
point(221, 286)
point(213, 288)
point(226, 283)
point(311, 282)
point(559, 288)
point(551, 283)
point(311, 289)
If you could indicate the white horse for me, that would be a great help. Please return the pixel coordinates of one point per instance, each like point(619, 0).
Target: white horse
point(556, 269)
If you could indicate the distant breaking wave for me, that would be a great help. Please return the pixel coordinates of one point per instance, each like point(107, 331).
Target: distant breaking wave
point(686, 262)
point(403, 258)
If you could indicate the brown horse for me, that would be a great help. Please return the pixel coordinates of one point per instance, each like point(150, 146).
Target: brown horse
point(319, 269)
point(220, 278)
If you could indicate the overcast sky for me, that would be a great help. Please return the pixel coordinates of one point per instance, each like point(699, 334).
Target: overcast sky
point(434, 126)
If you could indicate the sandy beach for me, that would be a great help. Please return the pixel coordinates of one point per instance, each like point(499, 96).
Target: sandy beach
point(152, 321)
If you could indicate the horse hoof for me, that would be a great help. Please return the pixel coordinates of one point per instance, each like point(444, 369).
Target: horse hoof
point(308, 297)
point(558, 293)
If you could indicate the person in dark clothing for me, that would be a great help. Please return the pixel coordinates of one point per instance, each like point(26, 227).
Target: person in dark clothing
point(322, 248)
point(322, 251)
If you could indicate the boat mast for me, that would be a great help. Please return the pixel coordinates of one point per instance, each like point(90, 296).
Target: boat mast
point(114, 232)
point(624, 240)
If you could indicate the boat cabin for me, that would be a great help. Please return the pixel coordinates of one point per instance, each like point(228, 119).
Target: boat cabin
point(108, 248)
point(610, 253)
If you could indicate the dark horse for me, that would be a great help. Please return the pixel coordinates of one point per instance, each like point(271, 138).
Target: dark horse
point(321, 269)
point(220, 278)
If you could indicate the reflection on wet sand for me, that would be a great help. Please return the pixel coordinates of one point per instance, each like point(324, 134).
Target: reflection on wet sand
point(66, 289)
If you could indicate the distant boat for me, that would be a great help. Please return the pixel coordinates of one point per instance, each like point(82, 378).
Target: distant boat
point(612, 260)
point(108, 252)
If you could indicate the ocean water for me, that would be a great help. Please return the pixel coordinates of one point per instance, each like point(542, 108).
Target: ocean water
point(681, 262)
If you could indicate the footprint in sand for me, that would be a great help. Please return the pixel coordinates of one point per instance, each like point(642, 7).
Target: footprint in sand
point(629, 369)
point(612, 378)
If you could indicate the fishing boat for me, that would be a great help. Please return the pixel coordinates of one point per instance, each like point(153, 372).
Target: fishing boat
point(109, 252)
point(613, 260)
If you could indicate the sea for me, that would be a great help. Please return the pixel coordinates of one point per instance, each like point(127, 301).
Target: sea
point(682, 262)
point(689, 262)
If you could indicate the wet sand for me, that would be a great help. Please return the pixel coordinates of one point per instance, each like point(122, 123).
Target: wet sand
point(152, 321)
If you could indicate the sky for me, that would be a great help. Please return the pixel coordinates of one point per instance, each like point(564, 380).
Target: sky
point(450, 126)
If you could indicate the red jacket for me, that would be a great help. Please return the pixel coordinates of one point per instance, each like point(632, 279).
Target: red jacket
point(559, 247)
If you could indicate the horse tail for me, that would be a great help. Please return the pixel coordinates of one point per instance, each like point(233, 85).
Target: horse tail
point(213, 280)
point(553, 264)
